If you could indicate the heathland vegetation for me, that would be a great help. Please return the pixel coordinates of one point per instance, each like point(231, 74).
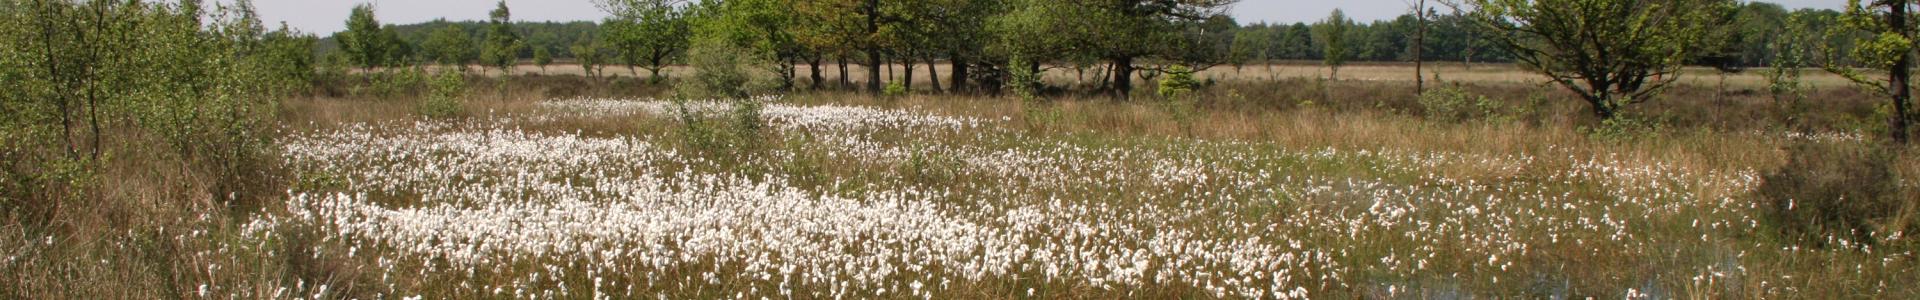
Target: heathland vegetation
point(1048, 149)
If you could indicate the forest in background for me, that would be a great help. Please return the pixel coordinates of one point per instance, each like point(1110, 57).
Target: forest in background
point(1451, 36)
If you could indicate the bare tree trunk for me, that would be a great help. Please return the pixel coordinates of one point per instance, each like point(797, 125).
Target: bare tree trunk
point(933, 74)
point(813, 66)
point(1900, 73)
point(1079, 75)
point(1419, 42)
point(1122, 77)
point(872, 8)
point(845, 83)
point(906, 68)
point(959, 77)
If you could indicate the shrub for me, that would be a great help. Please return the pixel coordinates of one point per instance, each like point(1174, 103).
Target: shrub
point(397, 82)
point(1834, 192)
point(1624, 127)
point(727, 72)
point(733, 140)
point(445, 98)
point(1452, 103)
point(1037, 114)
point(895, 89)
point(1179, 82)
point(1177, 90)
point(723, 70)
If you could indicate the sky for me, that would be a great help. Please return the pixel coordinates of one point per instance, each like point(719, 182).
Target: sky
point(327, 16)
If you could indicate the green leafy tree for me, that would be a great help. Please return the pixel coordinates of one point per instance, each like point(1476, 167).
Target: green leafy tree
point(196, 84)
point(542, 58)
point(764, 28)
point(1332, 35)
point(503, 45)
point(587, 52)
point(451, 46)
point(1888, 45)
point(1612, 53)
point(1250, 46)
point(365, 43)
point(1784, 76)
point(725, 70)
point(647, 33)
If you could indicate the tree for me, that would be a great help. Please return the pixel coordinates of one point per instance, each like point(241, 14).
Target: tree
point(542, 58)
point(1250, 45)
point(1725, 44)
point(450, 46)
point(587, 52)
point(1612, 53)
point(503, 45)
point(849, 28)
point(763, 28)
point(1332, 34)
point(1783, 78)
point(365, 43)
point(1123, 33)
point(1888, 46)
point(1419, 44)
point(646, 32)
point(199, 86)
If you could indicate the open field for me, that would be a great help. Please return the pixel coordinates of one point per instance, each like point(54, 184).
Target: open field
point(846, 196)
point(178, 150)
point(554, 187)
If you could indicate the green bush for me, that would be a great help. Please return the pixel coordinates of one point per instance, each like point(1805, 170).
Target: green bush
point(445, 98)
point(1624, 128)
point(1177, 90)
point(1832, 191)
point(1452, 103)
point(895, 89)
point(397, 82)
point(723, 70)
point(733, 141)
point(1179, 82)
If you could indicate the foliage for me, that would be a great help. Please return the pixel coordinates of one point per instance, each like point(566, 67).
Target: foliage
point(502, 46)
point(1250, 46)
point(209, 107)
point(1179, 82)
point(395, 82)
point(1784, 77)
point(589, 55)
point(763, 28)
point(1453, 103)
point(1882, 41)
point(647, 33)
point(735, 138)
point(1612, 53)
point(1837, 194)
point(1121, 33)
point(1331, 34)
point(542, 58)
point(1625, 128)
point(723, 70)
point(445, 96)
point(1176, 90)
point(895, 89)
point(366, 43)
point(451, 46)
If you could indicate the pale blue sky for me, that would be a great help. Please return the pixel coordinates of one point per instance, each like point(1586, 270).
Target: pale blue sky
point(326, 16)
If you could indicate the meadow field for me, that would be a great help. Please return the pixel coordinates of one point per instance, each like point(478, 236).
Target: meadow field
point(189, 150)
point(545, 189)
point(561, 187)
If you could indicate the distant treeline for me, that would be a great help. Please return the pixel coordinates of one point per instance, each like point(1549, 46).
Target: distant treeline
point(1451, 37)
point(553, 36)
